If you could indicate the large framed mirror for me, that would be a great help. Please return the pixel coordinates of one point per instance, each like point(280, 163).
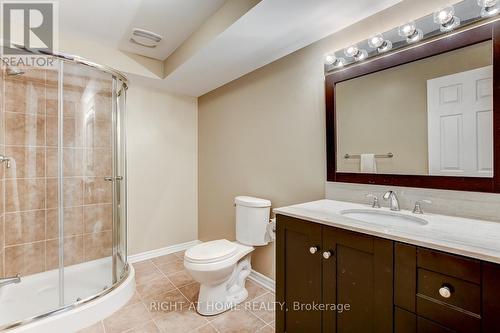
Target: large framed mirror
point(427, 116)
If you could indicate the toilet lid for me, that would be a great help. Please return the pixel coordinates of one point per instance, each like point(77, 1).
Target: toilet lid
point(216, 250)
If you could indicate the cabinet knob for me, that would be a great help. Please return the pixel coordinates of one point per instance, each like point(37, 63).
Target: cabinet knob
point(313, 249)
point(327, 254)
point(445, 291)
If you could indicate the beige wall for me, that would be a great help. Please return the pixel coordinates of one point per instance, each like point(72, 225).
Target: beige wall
point(375, 109)
point(162, 169)
point(264, 134)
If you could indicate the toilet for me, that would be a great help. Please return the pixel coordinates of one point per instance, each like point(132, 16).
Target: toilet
point(221, 266)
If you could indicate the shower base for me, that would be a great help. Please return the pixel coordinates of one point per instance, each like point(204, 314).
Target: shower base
point(34, 300)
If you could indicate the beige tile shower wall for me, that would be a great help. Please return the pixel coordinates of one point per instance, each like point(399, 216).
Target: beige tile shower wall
point(264, 134)
point(30, 230)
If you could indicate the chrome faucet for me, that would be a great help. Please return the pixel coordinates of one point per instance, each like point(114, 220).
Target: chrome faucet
point(6, 160)
point(393, 200)
point(10, 280)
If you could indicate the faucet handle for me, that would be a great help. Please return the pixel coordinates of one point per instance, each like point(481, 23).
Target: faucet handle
point(418, 206)
point(375, 203)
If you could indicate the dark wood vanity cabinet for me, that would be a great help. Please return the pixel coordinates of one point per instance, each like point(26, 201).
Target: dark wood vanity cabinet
point(389, 286)
point(440, 292)
point(326, 266)
point(301, 272)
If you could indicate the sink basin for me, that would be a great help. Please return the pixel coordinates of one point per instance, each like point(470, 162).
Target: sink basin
point(384, 218)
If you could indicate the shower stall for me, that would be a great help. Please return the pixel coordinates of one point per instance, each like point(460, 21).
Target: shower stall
point(63, 191)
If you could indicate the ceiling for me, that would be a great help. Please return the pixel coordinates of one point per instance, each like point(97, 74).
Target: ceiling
point(271, 30)
point(268, 31)
point(111, 21)
point(174, 20)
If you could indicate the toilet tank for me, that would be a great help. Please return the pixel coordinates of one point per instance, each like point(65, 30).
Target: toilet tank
point(252, 219)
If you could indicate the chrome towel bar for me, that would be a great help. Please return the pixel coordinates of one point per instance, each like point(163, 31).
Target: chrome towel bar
point(388, 155)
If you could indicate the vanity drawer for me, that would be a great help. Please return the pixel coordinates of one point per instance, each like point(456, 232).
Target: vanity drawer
point(463, 294)
point(449, 264)
point(427, 326)
point(407, 322)
point(449, 316)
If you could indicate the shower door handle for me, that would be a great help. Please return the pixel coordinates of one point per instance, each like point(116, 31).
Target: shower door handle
point(118, 189)
point(110, 179)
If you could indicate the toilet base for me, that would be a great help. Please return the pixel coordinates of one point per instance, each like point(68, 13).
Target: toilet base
point(215, 299)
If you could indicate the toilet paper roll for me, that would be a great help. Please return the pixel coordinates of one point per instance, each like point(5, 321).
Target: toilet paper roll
point(271, 231)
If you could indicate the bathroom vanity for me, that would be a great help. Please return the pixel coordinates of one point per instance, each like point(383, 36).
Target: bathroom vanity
point(347, 267)
point(422, 117)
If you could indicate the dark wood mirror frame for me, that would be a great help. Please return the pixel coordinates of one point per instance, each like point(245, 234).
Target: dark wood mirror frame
point(465, 38)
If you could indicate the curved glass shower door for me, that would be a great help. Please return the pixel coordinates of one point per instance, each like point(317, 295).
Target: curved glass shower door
point(62, 187)
point(87, 164)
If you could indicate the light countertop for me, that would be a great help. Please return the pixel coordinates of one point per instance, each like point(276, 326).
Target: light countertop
point(467, 237)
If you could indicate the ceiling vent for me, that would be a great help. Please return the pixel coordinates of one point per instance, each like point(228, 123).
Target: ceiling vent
point(145, 38)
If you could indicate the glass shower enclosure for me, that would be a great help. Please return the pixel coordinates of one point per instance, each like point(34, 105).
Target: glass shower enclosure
point(62, 186)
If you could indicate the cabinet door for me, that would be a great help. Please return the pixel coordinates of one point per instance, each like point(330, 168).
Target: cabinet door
point(298, 275)
point(358, 274)
point(491, 297)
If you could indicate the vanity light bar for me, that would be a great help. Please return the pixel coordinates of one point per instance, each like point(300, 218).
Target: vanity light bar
point(445, 20)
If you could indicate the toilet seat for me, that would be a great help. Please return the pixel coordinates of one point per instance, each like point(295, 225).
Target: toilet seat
point(210, 252)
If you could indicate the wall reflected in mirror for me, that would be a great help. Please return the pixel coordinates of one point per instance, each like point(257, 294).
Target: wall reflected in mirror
point(433, 116)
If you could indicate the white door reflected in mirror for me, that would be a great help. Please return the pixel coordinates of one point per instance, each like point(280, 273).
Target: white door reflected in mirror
point(460, 120)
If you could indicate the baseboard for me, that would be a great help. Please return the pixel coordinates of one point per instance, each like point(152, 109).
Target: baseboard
point(263, 281)
point(255, 276)
point(161, 252)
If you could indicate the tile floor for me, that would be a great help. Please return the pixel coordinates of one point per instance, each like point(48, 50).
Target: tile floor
point(165, 280)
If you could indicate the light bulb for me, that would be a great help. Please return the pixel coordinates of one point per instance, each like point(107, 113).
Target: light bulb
point(386, 46)
point(488, 7)
point(446, 18)
point(410, 32)
point(417, 36)
point(376, 41)
point(354, 52)
point(329, 59)
point(362, 54)
point(487, 3)
point(407, 29)
point(489, 11)
point(444, 15)
point(351, 51)
point(332, 60)
point(339, 62)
